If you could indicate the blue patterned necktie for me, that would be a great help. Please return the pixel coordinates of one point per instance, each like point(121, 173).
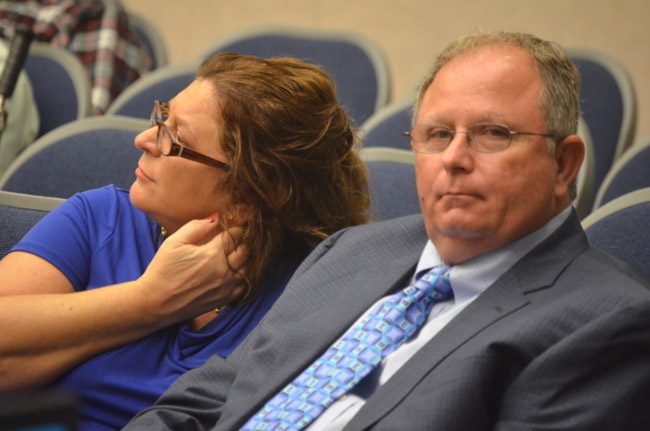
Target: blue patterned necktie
point(354, 355)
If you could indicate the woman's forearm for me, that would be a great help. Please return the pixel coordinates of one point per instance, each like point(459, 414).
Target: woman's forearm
point(45, 335)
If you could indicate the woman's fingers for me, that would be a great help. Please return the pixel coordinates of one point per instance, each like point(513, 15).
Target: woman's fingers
point(195, 232)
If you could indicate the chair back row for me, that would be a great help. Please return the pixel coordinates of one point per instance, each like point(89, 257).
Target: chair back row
point(60, 85)
point(81, 155)
point(18, 213)
point(621, 228)
point(357, 66)
point(629, 172)
point(608, 105)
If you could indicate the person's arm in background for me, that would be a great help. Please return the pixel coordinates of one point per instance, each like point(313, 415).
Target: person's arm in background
point(48, 328)
point(22, 121)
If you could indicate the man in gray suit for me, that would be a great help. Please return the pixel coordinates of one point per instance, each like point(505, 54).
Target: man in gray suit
point(542, 331)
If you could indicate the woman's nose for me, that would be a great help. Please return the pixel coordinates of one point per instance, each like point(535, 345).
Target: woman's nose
point(146, 141)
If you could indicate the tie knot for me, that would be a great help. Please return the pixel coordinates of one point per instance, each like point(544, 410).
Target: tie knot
point(435, 283)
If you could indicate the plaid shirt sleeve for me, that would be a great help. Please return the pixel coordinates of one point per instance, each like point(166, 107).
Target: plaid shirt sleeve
point(97, 31)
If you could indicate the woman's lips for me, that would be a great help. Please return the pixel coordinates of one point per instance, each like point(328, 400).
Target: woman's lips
point(141, 174)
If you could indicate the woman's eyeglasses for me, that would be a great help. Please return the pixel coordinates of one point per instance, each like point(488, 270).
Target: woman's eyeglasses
point(168, 144)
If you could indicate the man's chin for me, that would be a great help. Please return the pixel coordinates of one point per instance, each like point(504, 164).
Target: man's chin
point(460, 223)
point(462, 232)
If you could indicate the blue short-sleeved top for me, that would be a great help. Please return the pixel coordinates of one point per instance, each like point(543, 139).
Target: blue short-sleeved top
point(98, 238)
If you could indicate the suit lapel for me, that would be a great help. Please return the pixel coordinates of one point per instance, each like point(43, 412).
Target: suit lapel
point(537, 270)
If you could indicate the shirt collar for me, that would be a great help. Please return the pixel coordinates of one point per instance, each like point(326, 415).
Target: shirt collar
point(471, 278)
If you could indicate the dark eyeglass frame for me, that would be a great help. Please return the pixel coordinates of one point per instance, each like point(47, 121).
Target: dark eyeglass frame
point(503, 133)
point(158, 116)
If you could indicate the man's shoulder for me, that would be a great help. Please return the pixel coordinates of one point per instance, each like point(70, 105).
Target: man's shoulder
point(602, 269)
point(389, 237)
point(399, 229)
point(369, 245)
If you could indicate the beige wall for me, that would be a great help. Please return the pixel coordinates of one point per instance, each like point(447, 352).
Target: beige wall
point(411, 32)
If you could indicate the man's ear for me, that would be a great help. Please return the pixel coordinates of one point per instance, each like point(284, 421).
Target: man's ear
point(569, 155)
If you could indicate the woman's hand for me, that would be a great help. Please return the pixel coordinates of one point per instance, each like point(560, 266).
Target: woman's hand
point(198, 268)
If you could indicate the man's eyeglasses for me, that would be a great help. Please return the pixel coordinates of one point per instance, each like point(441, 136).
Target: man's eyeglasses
point(168, 144)
point(484, 138)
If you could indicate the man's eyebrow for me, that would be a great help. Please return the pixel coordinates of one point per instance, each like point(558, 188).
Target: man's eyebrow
point(484, 118)
point(433, 119)
point(488, 117)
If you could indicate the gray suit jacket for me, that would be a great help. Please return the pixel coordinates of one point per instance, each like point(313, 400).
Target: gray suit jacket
point(560, 341)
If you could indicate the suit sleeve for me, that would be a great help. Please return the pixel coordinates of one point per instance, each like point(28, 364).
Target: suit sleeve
point(598, 378)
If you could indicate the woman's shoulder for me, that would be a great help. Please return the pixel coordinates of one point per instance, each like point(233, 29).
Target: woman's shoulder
point(107, 201)
point(104, 209)
point(109, 195)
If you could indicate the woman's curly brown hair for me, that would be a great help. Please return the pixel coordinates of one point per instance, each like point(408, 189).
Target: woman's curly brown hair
point(291, 148)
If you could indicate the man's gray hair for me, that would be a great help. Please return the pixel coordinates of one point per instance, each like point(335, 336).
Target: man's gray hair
point(560, 104)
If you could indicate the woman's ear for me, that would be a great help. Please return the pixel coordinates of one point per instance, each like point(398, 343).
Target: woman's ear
point(569, 155)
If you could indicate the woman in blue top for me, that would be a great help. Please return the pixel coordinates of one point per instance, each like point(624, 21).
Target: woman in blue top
point(113, 294)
